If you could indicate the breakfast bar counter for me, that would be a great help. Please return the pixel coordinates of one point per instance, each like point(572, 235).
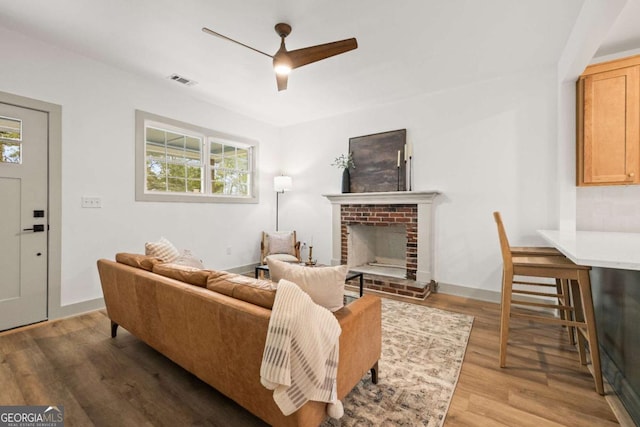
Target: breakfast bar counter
point(597, 248)
point(615, 281)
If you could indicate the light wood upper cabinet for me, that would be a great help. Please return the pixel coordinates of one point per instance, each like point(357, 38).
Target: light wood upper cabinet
point(608, 131)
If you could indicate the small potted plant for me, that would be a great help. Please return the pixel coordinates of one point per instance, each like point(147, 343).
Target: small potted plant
point(345, 162)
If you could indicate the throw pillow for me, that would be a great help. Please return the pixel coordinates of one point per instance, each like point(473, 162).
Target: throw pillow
point(280, 243)
point(163, 249)
point(187, 259)
point(325, 285)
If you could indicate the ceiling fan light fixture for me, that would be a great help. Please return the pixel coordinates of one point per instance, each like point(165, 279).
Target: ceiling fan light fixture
point(282, 69)
point(281, 62)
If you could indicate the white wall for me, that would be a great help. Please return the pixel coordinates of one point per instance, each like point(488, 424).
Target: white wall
point(594, 22)
point(98, 104)
point(612, 207)
point(489, 146)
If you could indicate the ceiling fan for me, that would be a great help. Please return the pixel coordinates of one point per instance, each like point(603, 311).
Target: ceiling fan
point(284, 61)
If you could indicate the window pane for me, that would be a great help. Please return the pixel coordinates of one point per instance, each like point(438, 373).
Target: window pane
point(175, 141)
point(243, 158)
point(217, 182)
point(233, 166)
point(10, 129)
point(171, 157)
point(177, 185)
point(10, 152)
point(194, 173)
point(176, 170)
point(193, 145)
point(215, 155)
point(156, 177)
point(193, 186)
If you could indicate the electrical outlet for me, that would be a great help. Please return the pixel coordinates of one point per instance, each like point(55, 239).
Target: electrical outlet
point(91, 202)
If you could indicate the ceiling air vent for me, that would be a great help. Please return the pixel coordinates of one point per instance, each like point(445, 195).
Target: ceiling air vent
point(183, 80)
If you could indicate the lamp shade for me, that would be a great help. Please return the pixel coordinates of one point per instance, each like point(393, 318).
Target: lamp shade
point(282, 183)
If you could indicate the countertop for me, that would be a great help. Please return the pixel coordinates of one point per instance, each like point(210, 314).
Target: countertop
point(597, 248)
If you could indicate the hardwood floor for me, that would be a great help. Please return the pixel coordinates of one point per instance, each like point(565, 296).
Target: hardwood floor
point(543, 384)
point(123, 382)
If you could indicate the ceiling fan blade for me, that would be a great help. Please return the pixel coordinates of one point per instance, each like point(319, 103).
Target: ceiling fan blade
point(282, 79)
point(213, 33)
point(307, 55)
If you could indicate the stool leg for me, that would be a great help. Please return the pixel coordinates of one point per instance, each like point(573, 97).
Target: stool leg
point(562, 288)
point(505, 314)
point(578, 316)
point(592, 335)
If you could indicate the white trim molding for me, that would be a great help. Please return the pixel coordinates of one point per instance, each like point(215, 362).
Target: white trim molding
point(424, 201)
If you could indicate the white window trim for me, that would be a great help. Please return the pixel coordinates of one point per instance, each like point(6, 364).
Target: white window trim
point(143, 119)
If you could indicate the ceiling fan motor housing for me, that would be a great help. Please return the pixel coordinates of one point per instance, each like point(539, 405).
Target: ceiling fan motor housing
point(283, 29)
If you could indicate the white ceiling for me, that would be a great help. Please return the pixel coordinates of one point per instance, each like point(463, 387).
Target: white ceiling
point(406, 47)
point(625, 33)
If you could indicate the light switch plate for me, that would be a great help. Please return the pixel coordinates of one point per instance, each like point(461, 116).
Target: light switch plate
point(91, 202)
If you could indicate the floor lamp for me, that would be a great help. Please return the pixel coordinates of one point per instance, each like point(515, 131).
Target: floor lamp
point(281, 184)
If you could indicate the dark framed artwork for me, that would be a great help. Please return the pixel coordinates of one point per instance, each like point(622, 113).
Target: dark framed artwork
point(376, 158)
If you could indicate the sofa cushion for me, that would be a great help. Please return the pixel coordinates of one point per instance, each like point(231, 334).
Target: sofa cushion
point(163, 249)
point(191, 275)
point(137, 260)
point(254, 291)
point(281, 257)
point(325, 285)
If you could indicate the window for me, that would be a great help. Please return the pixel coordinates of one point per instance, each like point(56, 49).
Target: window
point(179, 162)
point(10, 140)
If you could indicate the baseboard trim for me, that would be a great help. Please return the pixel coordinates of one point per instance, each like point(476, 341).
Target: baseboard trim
point(77, 308)
point(243, 269)
point(473, 293)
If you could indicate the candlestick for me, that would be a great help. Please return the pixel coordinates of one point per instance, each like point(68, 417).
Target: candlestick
point(410, 170)
point(310, 261)
point(405, 153)
point(398, 164)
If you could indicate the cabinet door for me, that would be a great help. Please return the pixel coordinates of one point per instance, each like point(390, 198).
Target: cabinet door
point(611, 132)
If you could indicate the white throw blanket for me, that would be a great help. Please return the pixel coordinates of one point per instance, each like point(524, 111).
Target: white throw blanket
point(300, 359)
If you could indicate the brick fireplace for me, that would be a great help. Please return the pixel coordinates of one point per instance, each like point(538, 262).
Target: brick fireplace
point(408, 250)
point(386, 216)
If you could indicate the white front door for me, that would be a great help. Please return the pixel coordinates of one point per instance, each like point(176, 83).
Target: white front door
point(23, 216)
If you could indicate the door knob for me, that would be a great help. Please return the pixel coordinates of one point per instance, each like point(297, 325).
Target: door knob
point(631, 174)
point(36, 228)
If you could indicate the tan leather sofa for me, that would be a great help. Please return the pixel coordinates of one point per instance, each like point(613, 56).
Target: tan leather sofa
point(206, 324)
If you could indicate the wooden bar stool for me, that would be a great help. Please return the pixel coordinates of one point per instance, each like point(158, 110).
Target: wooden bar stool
point(562, 286)
point(561, 269)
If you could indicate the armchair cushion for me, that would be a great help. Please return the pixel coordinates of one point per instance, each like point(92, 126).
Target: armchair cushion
point(281, 257)
point(280, 243)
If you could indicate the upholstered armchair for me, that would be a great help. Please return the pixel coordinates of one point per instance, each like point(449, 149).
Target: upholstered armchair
point(280, 245)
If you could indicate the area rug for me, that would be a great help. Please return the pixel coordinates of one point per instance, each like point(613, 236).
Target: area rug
point(422, 353)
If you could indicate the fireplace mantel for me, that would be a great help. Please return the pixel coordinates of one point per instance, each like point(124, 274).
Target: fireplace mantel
point(383, 198)
point(424, 203)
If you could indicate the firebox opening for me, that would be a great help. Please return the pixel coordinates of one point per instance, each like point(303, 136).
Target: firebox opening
point(377, 249)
